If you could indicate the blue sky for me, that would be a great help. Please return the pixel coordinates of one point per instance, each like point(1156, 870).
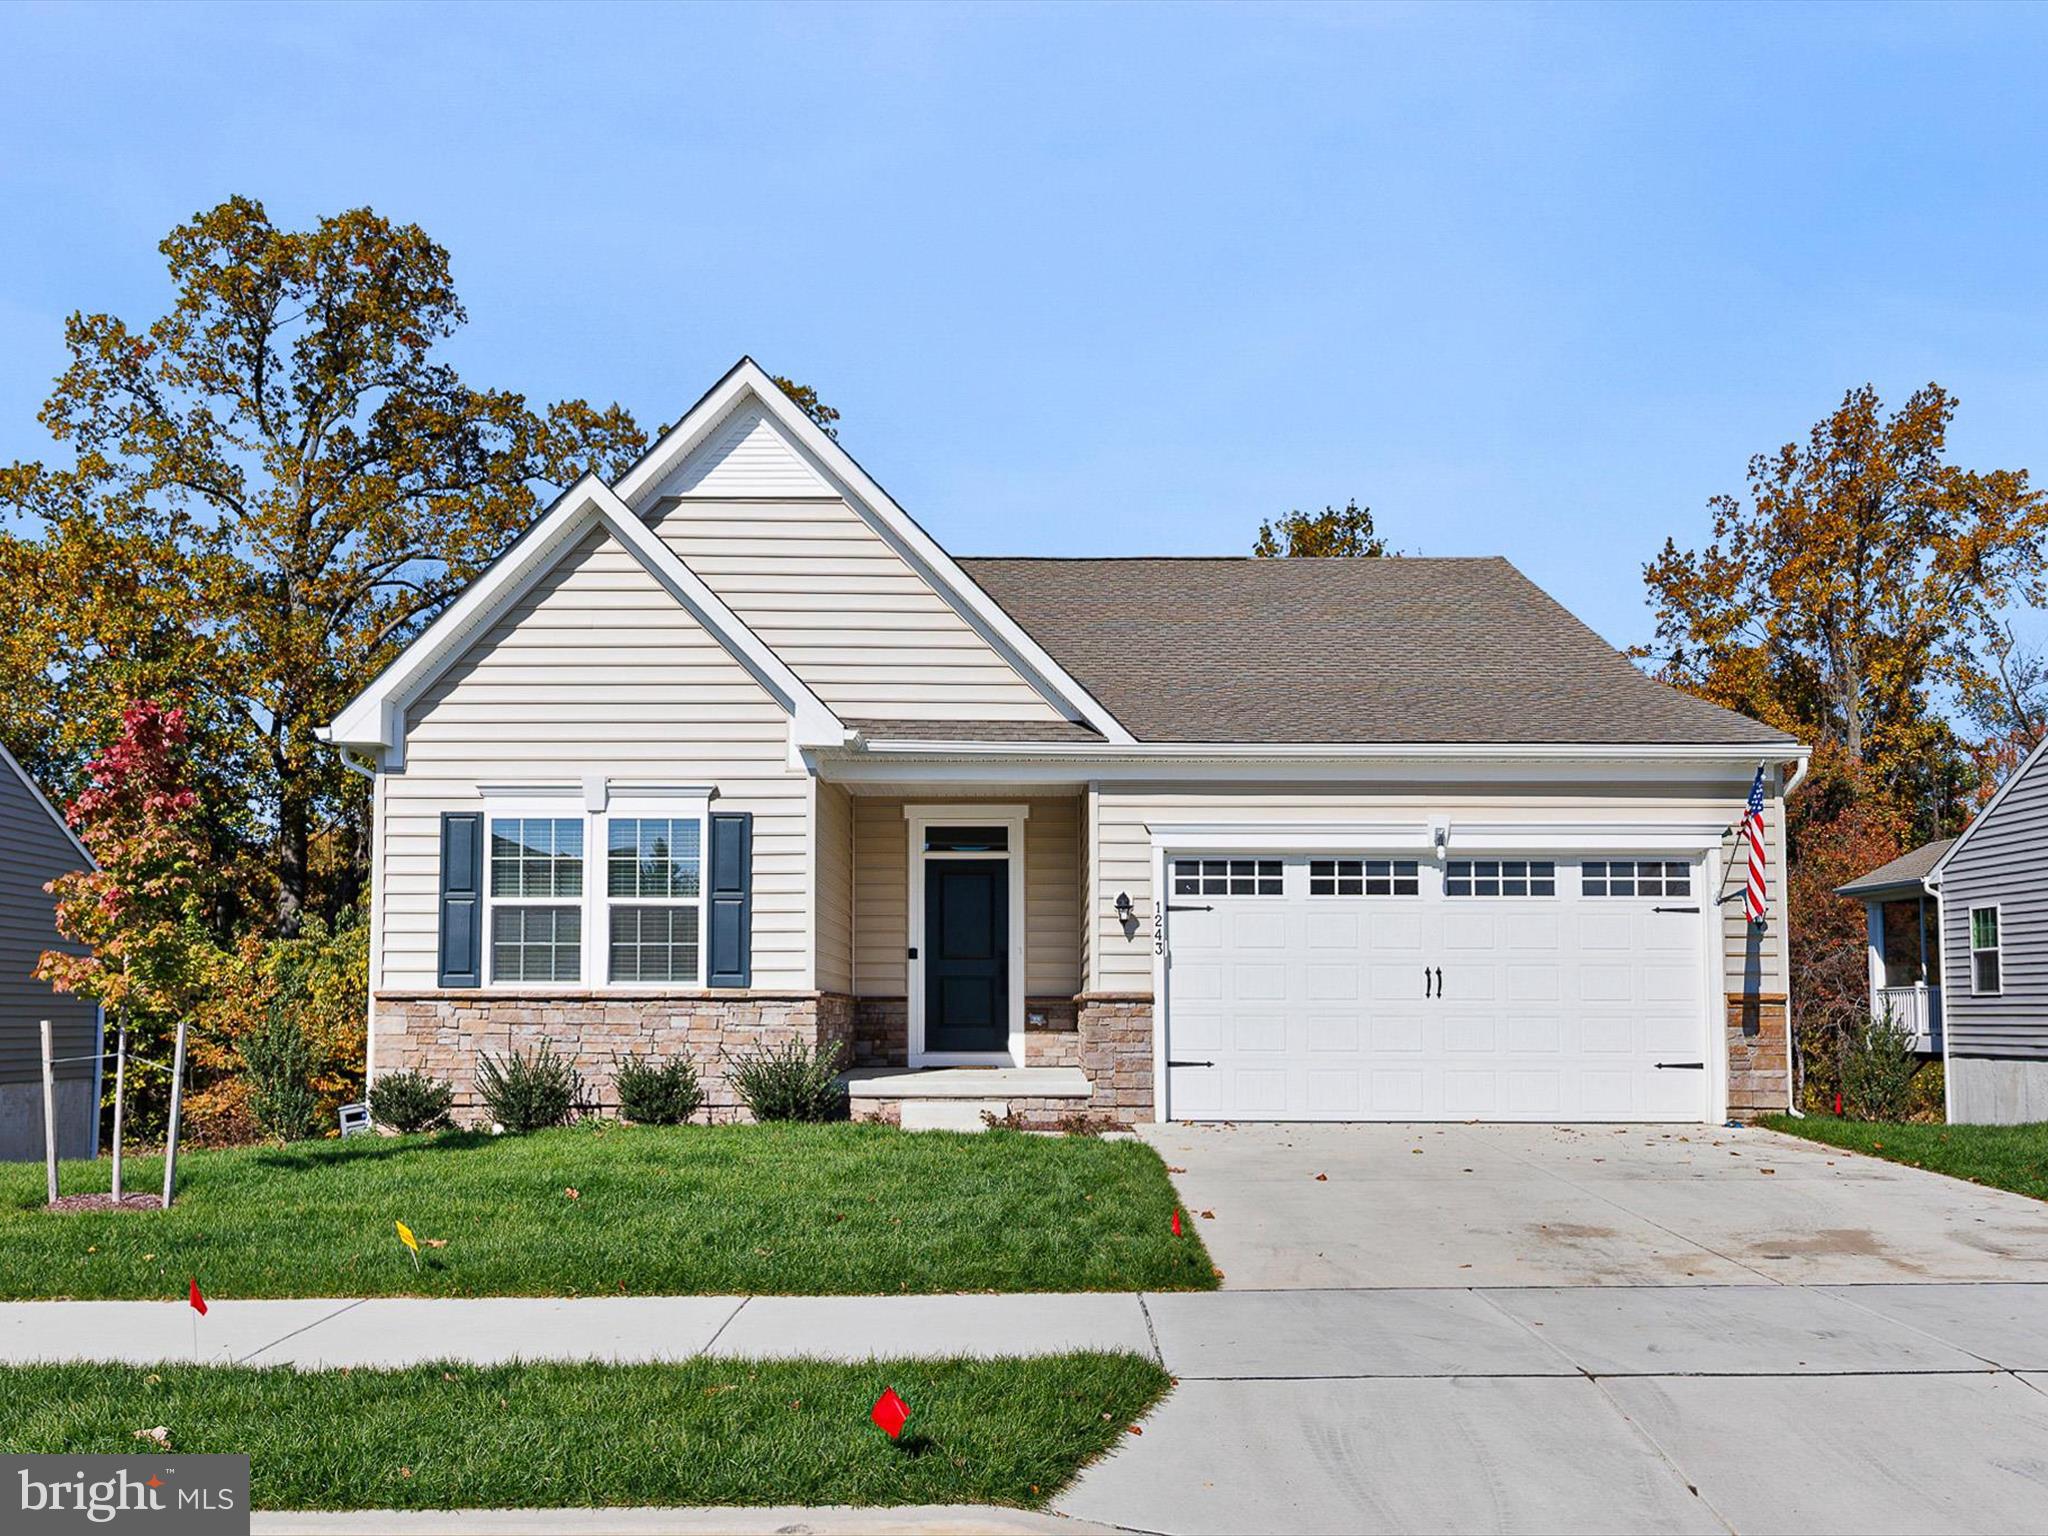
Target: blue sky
point(1114, 280)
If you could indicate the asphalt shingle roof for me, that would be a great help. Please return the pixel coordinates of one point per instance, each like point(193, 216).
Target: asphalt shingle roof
point(1906, 869)
point(1399, 650)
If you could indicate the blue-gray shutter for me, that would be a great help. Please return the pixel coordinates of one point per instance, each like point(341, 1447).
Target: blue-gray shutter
point(462, 898)
point(729, 898)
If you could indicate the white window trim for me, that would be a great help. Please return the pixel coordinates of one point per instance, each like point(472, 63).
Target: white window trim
point(1998, 949)
point(594, 803)
point(533, 805)
point(633, 805)
point(917, 819)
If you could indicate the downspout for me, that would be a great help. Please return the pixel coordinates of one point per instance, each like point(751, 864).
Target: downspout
point(376, 848)
point(1791, 1036)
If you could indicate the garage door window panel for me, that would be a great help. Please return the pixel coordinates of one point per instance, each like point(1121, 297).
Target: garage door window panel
point(1499, 878)
point(1227, 877)
point(1364, 877)
point(1635, 877)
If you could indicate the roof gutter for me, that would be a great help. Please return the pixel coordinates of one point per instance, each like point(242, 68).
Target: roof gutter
point(1148, 751)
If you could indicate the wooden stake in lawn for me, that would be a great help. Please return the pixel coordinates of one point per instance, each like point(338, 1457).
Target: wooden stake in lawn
point(49, 1111)
point(120, 1098)
point(171, 1141)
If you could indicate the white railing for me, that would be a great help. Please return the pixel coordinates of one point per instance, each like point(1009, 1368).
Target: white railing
point(1916, 1007)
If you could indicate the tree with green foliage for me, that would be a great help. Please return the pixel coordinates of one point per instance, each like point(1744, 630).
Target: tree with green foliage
point(1329, 533)
point(272, 487)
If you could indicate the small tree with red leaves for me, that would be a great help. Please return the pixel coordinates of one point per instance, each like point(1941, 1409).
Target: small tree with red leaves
point(149, 954)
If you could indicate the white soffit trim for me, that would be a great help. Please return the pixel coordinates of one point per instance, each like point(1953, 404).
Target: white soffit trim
point(36, 793)
point(1533, 834)
point(1933, 876)
point(918, 549)
point(373, 718)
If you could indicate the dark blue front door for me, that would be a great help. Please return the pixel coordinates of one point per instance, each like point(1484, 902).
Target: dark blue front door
point(967, 955)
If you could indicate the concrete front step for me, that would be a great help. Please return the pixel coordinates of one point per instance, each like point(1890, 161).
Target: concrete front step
point(958, 1098)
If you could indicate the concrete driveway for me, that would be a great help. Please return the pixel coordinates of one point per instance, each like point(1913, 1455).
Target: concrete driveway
point(1538, 1329)
point(1404, 1205)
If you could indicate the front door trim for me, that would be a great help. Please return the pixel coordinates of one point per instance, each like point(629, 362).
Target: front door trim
point(918, 817)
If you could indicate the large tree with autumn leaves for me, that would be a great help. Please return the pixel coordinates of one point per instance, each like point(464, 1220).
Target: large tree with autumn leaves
point(1859, 599)
point(264, 493)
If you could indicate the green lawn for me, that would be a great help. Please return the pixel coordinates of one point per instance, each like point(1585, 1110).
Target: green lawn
point(783, 1209)
point(548, 1436)
point(2013, 1157)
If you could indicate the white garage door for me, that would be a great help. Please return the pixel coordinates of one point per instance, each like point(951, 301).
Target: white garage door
point(1302, 987)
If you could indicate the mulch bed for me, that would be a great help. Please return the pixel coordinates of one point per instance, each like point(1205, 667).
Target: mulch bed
point(105, 1202)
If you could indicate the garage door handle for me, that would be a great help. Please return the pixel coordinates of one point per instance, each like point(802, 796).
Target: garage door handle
point(1681, 1066)
point(1426, 992)
point(1674, 909)
point(1191, 1063)
point(1439, 981)
point(1171, 908)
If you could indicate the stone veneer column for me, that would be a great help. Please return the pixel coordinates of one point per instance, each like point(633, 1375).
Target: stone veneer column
point(1759, 1055)
point(1116, 1053)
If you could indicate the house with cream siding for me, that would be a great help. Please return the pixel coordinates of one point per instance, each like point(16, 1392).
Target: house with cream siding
point(35, 848)
point(732, 751)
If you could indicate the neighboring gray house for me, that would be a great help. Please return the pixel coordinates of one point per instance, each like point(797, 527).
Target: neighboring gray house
point(1904, 918)
point(732, 752)
point(36, 847)
point(1982, 968)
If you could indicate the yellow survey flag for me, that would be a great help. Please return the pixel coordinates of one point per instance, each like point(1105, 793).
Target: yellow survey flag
point(405, 1236)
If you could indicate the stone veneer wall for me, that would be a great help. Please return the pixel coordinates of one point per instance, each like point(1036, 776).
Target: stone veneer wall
point(1116, 1053)
point(1759, 1056)
point(442, 1033)
point(881, 1032)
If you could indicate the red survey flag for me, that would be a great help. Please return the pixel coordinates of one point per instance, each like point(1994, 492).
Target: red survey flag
point(198, 1301)
point(890, 1413)
point(1176, 1221)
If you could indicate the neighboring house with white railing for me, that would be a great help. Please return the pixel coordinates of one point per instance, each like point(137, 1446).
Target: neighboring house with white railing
point(1973, 913)
point(1904, 917)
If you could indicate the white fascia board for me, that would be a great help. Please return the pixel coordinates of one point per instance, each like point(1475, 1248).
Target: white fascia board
point(918, 548)
point(373, 719)
point(370, 720)
point(36, 793)
point(915, 769)
point(1932, 878)
point(1719, 755)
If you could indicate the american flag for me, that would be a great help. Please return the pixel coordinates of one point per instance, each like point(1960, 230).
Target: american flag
point(1753, 828)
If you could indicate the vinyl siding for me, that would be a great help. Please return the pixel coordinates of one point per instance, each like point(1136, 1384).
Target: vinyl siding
point(1124, 853)
point(834, 820)
point(1052, 896)
point(2003, 863)
point(33, 851)
point(824, 590)
point(597, 670)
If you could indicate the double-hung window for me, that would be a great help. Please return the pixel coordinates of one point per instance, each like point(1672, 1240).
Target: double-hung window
point(536, 895)
point(1984, 977)
point(611, 897)
point(654, 891)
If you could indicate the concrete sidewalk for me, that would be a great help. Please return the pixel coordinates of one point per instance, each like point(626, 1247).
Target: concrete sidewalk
point(1655, 1408)
point(398, 1330)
